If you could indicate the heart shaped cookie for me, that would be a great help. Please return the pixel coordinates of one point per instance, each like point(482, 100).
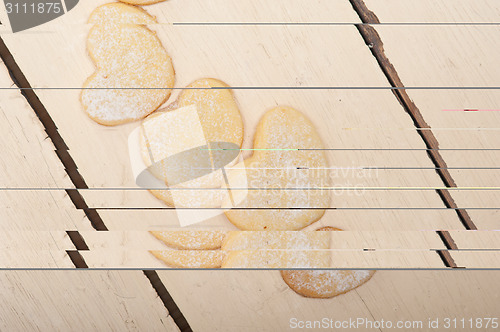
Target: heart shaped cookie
point(217, 121)
point(325, 283)
point(285, 176)
point(134, 74)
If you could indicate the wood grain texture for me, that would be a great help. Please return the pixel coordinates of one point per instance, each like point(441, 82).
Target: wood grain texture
point(476, 239)
point(80, 301)
point(432, 11)
point(483, 259)
point(35, 249)
point(453, 56)
point(28, 157)
point(33, 222)
point(261, 300)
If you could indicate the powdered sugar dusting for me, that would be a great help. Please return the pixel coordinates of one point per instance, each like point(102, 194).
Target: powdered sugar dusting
point(278, 259)
point(119, 13)
point(257, 240)
point(324, 284)
point(134, 73)
point(285, 130)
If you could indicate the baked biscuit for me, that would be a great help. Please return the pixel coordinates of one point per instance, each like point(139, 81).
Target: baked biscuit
point(221, 122)
point(285, 176)
point(325, 283)
point(134, 74)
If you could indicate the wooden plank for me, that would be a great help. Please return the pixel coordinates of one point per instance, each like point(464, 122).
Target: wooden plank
point(52, 240)
point(33, 223)
point(260, 300)
point(48, 211)
point(28, 157)
point(32, 249)
point(38, 258)
point(81, 301)
point(476, 239)
point(432, 11)
point(477, 259)
point(458, 56)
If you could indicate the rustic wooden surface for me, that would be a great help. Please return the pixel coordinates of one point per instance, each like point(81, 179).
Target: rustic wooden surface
point(80, 301)
point(254, 56)
point(261, 300)
point(457, 56)
point(34, 236)
point(431, 11)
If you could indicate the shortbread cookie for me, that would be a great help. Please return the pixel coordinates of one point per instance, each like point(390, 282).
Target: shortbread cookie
point(325, 283)
point(258, 240)
point(119, 13)
point(192, 239)
point(276, 259)
point(221, 122)
point(190, 259)
point(277, 249)
point(134, 74)
point(287, 157)
point(141, 2)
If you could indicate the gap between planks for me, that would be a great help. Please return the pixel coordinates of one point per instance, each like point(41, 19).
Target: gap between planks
point(76, 178)
point(376, 45)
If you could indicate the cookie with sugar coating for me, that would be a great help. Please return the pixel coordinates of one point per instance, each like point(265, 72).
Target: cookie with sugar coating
point(276, 259)
point(285, 175)
point(134, 73)
point(141, 2)
point(119, 13)
point(220, 121)
point(191, 239)
point(190, 259)
point(325, 283)
point(276, 249)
